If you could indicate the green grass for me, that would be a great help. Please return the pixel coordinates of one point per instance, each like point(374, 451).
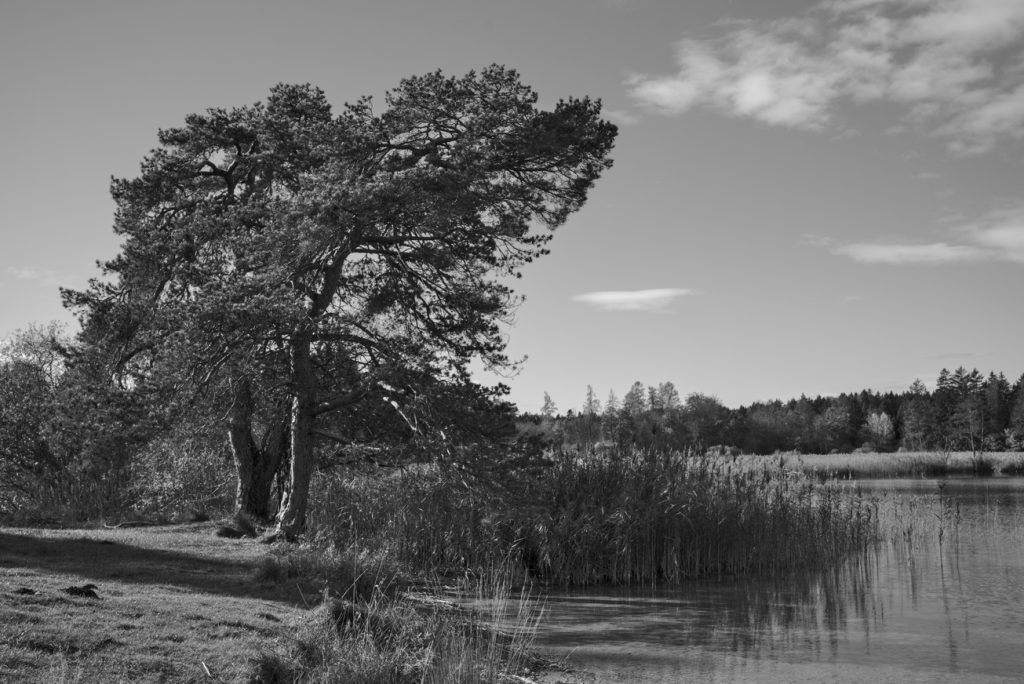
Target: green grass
point(179, 604)
point(172, 602)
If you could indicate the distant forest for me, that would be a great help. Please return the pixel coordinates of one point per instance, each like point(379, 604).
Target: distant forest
point(967, 411)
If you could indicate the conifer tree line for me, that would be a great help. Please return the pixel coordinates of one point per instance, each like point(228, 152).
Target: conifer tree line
point(967, 411)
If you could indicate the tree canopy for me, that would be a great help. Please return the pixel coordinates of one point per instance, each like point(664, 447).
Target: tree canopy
point(298, 262)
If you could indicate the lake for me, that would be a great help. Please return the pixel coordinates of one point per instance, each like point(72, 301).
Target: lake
point(941, 600)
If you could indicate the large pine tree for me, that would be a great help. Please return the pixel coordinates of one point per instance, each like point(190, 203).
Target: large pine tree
point(279, 254)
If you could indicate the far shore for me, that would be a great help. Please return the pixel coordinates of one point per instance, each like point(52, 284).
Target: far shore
point(905, 464)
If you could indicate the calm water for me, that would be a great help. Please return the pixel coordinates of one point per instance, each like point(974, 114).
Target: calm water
point(913, 610)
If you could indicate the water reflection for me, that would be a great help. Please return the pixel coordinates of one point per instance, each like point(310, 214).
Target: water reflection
point(938, 601)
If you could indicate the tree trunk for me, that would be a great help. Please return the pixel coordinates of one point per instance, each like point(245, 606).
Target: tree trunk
point(292, 518)
point(255, 467)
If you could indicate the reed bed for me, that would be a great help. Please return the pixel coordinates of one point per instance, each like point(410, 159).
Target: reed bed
point(627, 517)
point(401, 638)
point(907, 464)
point(936, 518)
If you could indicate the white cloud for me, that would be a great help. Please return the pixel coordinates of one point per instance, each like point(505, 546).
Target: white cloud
point(622, 117)
point(666, 94)
point(41, 275)
point(998, 237)
point(975, 130)
point(963, 25)
point(934, 253)
point(1003, 234)
point(633, 300)
point(948, 64)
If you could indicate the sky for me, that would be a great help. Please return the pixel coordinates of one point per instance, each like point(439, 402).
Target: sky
point(808, 197)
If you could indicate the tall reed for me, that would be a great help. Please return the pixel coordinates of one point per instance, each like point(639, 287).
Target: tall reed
point(409, 639)
point(625, 517)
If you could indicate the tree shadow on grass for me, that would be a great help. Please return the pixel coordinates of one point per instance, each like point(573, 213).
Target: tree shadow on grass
point(101, 560)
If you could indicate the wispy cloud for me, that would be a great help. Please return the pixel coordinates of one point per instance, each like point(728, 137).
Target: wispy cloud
point(1003, 234)
point(953, 67)
point(998, 237)
point(633, 300)
point(44, 276)
point(934, 253)
point(623, 117)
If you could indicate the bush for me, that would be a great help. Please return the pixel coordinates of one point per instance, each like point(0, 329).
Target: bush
point(67, 432)
point(184, 472)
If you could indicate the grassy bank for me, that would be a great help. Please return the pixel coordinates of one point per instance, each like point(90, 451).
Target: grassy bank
point(170, 603)
point(360, 600)
point(905, 464)
point(177, 603)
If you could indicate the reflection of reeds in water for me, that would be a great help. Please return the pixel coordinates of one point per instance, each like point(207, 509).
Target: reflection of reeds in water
point(803, 612)
point(915, 526)
point(627, 517)
point(927, 533)
point(806, 610)
point(921, 525)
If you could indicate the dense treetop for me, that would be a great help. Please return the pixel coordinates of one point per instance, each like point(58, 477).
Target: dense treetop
point(300, 262)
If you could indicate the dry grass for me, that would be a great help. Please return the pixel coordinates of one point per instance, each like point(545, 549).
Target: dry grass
point(406, 638)
point(350, 573)
point(173, 603)
point(906, 464)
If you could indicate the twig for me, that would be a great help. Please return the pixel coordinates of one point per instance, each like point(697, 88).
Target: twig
point(302, 595)
point(207, 671)
point(132, 523)
point(515, 678)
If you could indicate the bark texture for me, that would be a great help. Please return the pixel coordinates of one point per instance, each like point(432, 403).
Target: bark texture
point(292, 518)
point(256, 466)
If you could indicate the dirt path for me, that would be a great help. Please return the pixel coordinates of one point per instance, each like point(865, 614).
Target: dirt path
point(154, 604)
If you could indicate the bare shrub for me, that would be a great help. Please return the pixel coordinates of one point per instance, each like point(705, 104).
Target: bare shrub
point(187, 471)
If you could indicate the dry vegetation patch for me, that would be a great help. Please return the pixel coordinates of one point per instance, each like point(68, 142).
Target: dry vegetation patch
point(907, 464)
